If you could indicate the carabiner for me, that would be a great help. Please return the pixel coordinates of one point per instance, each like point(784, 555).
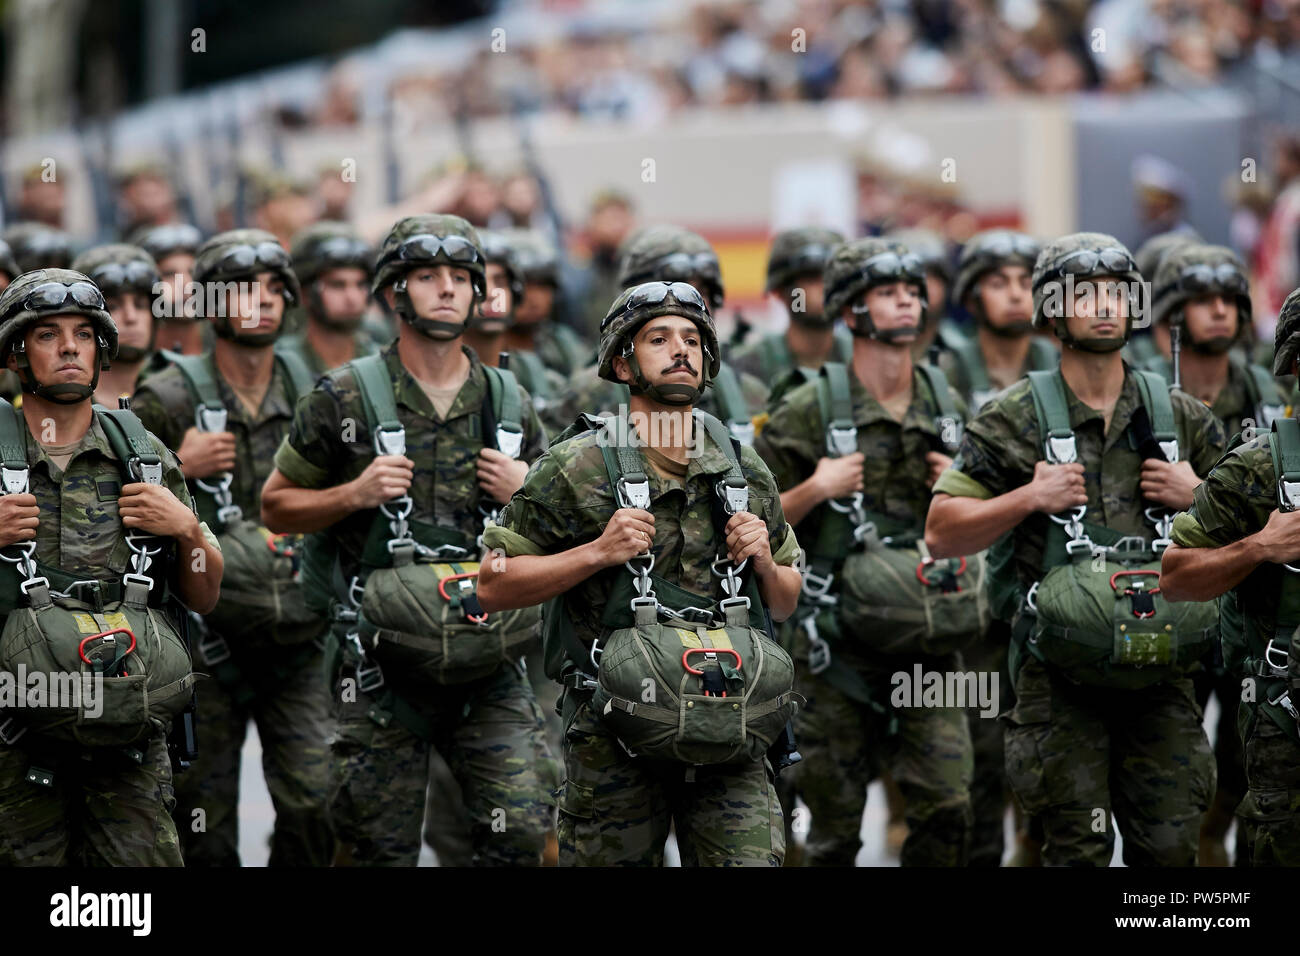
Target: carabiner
point(81, 648)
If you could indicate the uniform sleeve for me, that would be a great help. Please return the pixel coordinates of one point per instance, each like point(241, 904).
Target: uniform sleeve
point(1206, 438)
point(763, 488)
point(976, 472)
point(153, 414)
point(536, 520)
point(1225, 507)
point(786, 443)
point(314, 443)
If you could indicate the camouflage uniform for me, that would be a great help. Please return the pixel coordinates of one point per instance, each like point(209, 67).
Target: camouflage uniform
point(103, 808)
point(844, 742)
point(1073, 750)
point(556, 344)
point(1142, 347)
point(276, 685)
point(1234, 502)
point(489, 731)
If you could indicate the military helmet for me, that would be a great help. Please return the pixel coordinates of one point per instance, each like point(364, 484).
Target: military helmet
point(857, 267)
point(47, 292)
point(329, 245)
point(8, 264)
point(799, 252)
point(432, 238)
point(498, 248)
point(535, 257)
point(1151, 252)
point(38, 246)
point(242, 254)
point(930, 247)
point(636, 306)
point(989, 250)
point(118, 267)
point(1085, 255)
point(671, 253)
point(1286, 336)
point(162, 241)
point(1193, 270)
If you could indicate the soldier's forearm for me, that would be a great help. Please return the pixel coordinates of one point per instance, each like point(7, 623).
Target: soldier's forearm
point(290, 509)
point(780, 588)
point(527, 579)
point(801, 499)
point(959, 526)
point(199, 573)
point(1201, 574)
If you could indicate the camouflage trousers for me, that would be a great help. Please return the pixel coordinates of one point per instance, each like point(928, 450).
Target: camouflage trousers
point(616, 810)
point(490, 734)
point(105, 811)
point(1075, 755)
point(1272, 804)
point(989, 793)
point(288, 702)
point(446, 821)
point(846, 743)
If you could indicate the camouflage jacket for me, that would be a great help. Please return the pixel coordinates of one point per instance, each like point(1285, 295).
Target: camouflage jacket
point(959, 375)
point(769, 359)
point(1002, 444)
point(1233, 406)
point(894, 470)
point(299, 343)
point(567, 500)
point(330, 443)
point(166, 406)
point(560, 348)
point(79, 530)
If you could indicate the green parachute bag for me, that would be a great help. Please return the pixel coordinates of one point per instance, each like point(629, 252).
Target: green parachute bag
point(262, 601)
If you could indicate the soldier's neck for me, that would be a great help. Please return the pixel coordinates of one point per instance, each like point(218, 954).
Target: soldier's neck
point(1096, 378)
point(885, 371)
point(665, 428)
point(488, 348)
point(183, 337)
point(244, 366)
point(436, 362)
point(812, 347)
point(1004, 352)
point(334, 347)
point(117, 381)
point(1202, 375)
point(52, 423)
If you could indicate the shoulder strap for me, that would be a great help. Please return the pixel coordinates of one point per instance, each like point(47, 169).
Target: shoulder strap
point(1284, 443)
point(507, 425)
point(199, 379)
point(532, 373)
point(623, 465)
point(775, 355)
point(301, 380)
point(1155, 398)
point(732, 407)
point(949, 420)
point(380, 403)
point(571, 347)
point(843, 349)
point(967, 354)
point(837, 409)
point(13, 451)
point(1053, 416)
point(130, 442)
point(1042, 354)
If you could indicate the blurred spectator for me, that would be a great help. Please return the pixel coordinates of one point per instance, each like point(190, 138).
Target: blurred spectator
point(42, 196)
point(333, 192)
point(592, 286)
point(1161, 190)
point(145, 197)
point(1277, 257)
point(281, 205)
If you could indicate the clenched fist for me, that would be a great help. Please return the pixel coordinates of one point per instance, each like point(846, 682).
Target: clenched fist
point(204, 454)
point(1171, 484)
point(747, 538)
point(499, 475)
point(19, 517)
point(630, 532)
point(385, 478)
point(1058, 487)
point(839, 477)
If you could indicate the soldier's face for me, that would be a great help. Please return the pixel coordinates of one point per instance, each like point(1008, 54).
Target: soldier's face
point(669, 349)
point(257, 307)
point(896, 305)
point(176, 270)
point(343, 293)
point(1211, 317)
point(1006, 296)
point(61, 350)
point(440, 292)
point(1098, 309)
point(499, 297)
point(936, 288)
point(805, 295)
point(132, 313)
point(535, 306)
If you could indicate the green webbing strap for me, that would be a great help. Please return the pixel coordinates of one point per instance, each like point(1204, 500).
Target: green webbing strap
point(843, 350)
point(393, 707)
point(571, 347)
point(776, 356)
point(732, 407)
point(129, 440)
point(1043, 355)
point(198, 376)
point(376, 387)
point(940, 390)
point(1051, 407)
point(296, 370)
point(967, 354)
point(507, 408)
point(722, 438)
point(1262, 389)
point(834, 397)
point(13, 449)
point(1155, 398)
point(532, 373)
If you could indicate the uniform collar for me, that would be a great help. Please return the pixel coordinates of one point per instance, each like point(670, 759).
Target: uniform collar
point(275, 403)
point(1129, 401)
point(407, 390)
point(868, 411)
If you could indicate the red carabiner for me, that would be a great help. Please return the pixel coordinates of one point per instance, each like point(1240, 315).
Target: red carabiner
point(81, 648)
point(442, 590)
point(708, 650)
point(273, 542)
point(926, 562)
point(1136, 574)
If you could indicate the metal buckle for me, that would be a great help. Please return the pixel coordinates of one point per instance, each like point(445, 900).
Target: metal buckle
point(696, 615)
point(390, 442)
point(1061, 450)
point(148, 472)
point(1078, 546)
point(30, 583)
point(11, 730)
point(1130, 542)
point(134, 578)
point(207, 419)
point(370, 676)
point(734, 498)
point(229, 514)
point(816, 585)
point(1288, 492)
point(441, 553)
point(1283, 700)
point(842, 441)
point(738, 600)
point(510, 443)
point(743, 432)
point(819, 652)
point(1170, 448)
point(1269, 414)
point(1031, 597)
point(14, 479)
point(633, 494)
point(1277, 670)
point(214, 649)
point(596, 651)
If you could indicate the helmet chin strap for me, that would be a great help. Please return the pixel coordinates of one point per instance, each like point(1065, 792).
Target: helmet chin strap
point(1214, 345)
point(667, 393)
point(438, 330)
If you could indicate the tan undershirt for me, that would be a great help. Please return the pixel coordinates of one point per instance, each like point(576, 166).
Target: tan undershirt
point(442, 398)
point(667, 468)
point(250, 396)
point(62, 454)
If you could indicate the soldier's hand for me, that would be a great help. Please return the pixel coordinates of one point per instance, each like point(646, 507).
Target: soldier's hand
point(1171, 484)
point(499, 475)
point(938, 464)
point(19, 517)
point(1280, 537)
point(630, 532)
point(839, 477)
point(747, 538)
point(154, 509)
point(204, 454)
point(385, 478)
point(1058, 487)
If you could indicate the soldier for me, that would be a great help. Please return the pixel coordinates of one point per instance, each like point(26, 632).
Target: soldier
point(1240, 539)
point(127, 276)
point(932, 249)
point(226, 412)
point(38, 246)
point(536, 326)
point(173, 247)
point(890, 446)
point(1104, 719)
point(405, 684)
point(333, 266)
point(1150, 343)
point(65, 490)
point(670, 253)
point(794, 276)
point(567, 536)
